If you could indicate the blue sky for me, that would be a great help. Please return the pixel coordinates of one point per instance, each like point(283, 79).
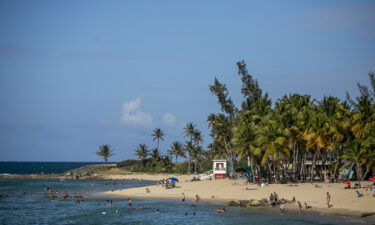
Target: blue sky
point(78, 74)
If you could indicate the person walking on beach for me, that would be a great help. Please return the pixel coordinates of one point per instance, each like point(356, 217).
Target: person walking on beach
point(373, 189)
point(329, 200)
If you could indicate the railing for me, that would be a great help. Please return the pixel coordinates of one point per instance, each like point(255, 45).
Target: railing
point(205, 176)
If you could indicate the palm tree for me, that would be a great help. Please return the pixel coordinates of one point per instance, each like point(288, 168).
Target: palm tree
point(155, 156)
point(158, 135)
point(177, 150)
point(189, 148)
point(105, 151)
point(142, 152)
point(189, 130)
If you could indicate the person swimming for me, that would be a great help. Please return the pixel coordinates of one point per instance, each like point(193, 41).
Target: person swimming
point(157, 211)
point(221, 210)
point(140, 207)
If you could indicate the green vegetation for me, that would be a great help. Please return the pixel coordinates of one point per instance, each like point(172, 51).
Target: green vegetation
point(295, 138)
point(105, 151)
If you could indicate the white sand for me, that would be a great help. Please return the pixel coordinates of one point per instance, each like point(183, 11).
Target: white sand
point(344, 201)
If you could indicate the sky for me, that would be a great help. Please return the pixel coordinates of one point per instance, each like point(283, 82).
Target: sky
point(78, 74)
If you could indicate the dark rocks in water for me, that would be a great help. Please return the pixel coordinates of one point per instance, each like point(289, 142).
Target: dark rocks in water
point(367, 214)
point(233, 203)
point(243, 203)
point(263, 201)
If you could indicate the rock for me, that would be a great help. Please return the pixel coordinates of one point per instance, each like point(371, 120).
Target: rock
point(243, 203)
point(367, 214)
point(248, 205)
point(255, 203)
point(233, 203)
point(263, 201)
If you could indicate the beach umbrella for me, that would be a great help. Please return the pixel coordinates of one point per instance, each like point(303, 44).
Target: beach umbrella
point(347, 183)
point(173, 179)
point(372, 178)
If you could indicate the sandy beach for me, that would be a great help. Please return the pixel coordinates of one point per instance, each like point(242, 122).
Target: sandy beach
point(344, 201)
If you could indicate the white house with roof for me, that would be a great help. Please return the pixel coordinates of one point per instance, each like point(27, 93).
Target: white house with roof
point(219, 168)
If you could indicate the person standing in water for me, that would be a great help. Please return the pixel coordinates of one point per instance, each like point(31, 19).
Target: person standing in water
point(300, 206)
point(183, 198)
point(130, 203)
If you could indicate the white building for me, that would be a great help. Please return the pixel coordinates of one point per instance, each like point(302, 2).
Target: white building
point(219, 168)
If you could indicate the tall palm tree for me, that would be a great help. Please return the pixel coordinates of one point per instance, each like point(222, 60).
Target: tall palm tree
point(189, 148)
point(142, 152)
point(158, 135)
point(197, 138)
point(105, 151)
point(177, 150)
point(189, 130)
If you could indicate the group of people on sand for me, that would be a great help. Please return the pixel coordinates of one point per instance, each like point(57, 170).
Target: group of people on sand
point(168, 184)
point(301, 207)
point(274, 199)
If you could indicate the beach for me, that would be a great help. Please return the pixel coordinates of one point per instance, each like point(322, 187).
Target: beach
point(344, 201)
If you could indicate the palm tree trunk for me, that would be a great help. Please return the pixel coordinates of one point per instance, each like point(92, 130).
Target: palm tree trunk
point(312, 169)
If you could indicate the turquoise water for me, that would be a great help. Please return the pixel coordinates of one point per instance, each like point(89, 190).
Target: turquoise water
point(26, 204)
point(39, 167)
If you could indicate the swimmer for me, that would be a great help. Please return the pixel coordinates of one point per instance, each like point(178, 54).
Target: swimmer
point(183, 198)
point(221, 210)
point(140, 207)
point(157, 211)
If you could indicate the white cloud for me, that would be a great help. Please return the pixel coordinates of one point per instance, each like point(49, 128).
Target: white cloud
point(133, 115)
point(169, 119)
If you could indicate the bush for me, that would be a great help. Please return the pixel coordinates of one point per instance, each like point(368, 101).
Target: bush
point(182, 167)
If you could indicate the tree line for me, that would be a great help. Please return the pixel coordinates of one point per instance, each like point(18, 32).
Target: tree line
point(296, 137)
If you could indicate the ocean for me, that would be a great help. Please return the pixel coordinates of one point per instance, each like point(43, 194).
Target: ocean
point(23, 201)
point(40, 167)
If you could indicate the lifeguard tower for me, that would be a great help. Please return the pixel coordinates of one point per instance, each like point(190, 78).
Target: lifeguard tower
point(219, 168)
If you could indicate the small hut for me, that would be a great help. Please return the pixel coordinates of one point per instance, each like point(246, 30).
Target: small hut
point(219, 168)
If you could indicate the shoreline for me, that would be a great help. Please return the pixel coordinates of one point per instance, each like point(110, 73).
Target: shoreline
point(344, 201)
point(289, 207)
point(126, 176)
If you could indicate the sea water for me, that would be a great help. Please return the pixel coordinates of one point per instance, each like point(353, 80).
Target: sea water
point(40, 167)
point(25, 204)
